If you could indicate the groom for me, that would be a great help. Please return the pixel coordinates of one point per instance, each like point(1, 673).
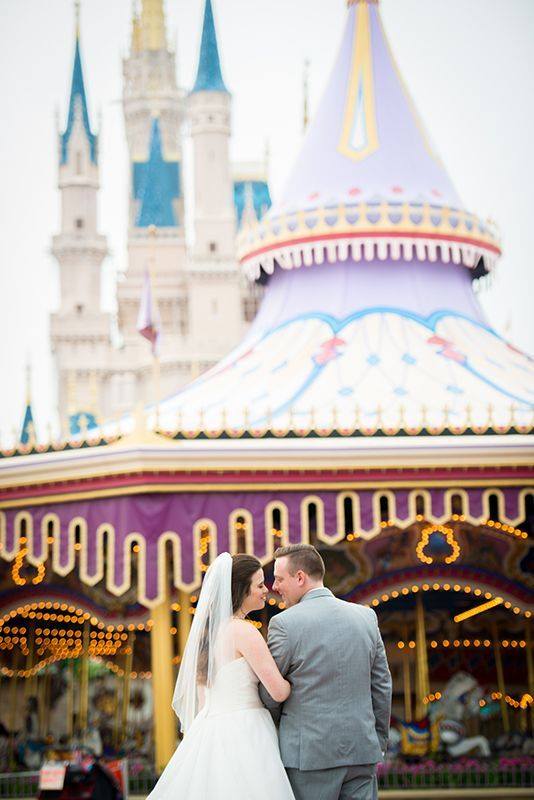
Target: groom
point(334, 725)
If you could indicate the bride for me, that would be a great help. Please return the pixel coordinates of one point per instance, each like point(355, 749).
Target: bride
point(230, 746)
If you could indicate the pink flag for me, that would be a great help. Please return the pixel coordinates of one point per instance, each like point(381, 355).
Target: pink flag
point(148, 320)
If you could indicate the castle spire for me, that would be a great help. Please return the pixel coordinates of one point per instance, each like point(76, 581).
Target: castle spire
point(27, 430)
point(78, 101)
point(152, 25)
point(209, 75)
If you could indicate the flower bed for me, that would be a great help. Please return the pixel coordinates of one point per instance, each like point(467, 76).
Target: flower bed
point(465, 773)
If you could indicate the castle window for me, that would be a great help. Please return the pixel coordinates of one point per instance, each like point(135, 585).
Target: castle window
point(214, 307)
point(79, 308)
point(213, 247)
point(78, 222)
point(78, 163)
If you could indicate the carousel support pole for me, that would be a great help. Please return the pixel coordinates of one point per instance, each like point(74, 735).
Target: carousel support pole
point(70, 699)
point(41, 686)
point(500, 677)
point(13, 710)
point(422, 681)
point(126, 683)
point(184, 621)
point(118, 713)
point(46, 702)
point(530, 669)
point(29, 685)
point(161, 651)
point(84, 682)
point(407, 683)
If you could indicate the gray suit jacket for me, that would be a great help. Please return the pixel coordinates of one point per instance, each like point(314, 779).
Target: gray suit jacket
point(338, 712)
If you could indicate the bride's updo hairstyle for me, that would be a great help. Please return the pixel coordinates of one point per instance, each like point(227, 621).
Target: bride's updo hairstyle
point(243, 568)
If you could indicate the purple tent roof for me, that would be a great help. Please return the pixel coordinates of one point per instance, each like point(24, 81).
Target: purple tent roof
point(367, 174)
point(366, 141)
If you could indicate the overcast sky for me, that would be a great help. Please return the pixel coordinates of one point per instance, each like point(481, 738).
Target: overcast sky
point(468, 63)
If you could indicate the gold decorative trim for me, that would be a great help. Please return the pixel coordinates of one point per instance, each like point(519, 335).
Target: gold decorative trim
point(252, 487)
point(360, 103)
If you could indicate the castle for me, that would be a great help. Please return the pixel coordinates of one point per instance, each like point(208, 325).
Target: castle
point(196, 287)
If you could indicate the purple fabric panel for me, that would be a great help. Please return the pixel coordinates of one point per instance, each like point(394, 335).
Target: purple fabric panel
point(437, 502)
point(511, 504)
point(151, 576)
point(367, 522)
point(475, 502)
point(401, 502)
point(92, 551)
point(66, 515)
point(36, 548)
point(330, 513)
point(346, 288)
point(10, 530)
point(293, 505)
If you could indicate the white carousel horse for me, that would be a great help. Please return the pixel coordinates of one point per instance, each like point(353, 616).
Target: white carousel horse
point(459, 701)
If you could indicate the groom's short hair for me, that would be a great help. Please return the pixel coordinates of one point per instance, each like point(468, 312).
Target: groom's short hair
point(304, 557)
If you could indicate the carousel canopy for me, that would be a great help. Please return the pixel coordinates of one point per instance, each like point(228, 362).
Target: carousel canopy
point(369, 320)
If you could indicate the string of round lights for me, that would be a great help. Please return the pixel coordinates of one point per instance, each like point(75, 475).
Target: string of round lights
point(445, 587)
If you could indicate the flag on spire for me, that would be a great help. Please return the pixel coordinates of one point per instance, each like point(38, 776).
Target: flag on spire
point(148, 320)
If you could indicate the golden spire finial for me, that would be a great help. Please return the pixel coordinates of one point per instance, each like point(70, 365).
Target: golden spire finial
point(28, 382)
point(77, 17)
point(305, 110)
point(152, 25)
point(136, 29)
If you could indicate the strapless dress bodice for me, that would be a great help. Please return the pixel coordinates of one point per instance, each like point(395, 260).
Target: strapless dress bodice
point(235, 688)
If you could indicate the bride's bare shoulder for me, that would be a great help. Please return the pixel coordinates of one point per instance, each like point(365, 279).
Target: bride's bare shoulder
point(244, 631)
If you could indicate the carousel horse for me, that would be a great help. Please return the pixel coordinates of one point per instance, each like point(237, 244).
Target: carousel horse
point(459, 701)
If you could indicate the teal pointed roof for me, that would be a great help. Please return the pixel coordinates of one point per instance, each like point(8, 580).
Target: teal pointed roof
point(156, 185)
point(209, 75)
point(77, 104)
point(27, 430)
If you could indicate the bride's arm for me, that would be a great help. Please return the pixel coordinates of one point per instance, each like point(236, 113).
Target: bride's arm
point(250, 643)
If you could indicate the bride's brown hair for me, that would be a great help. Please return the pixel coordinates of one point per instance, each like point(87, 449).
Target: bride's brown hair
point(243, 568)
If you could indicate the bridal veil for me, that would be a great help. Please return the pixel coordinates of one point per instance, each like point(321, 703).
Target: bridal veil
point(210, 644)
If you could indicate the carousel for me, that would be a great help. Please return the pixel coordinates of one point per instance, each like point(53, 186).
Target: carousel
point(371, 410)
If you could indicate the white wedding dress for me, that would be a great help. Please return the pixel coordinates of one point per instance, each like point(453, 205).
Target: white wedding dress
point(230, 752)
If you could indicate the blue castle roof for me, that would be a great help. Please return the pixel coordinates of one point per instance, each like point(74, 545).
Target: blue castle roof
point(78, 100)
point(156, 185)
point(209, 75)
point(261, 197)
point(27, 424)
point(80, 421)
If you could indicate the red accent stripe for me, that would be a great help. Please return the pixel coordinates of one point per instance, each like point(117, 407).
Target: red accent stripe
point(198, 478)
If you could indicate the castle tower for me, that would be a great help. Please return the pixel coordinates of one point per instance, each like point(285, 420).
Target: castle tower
point(217, 293)
point(153, 114)
point(80, 331)
point(209, 111)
